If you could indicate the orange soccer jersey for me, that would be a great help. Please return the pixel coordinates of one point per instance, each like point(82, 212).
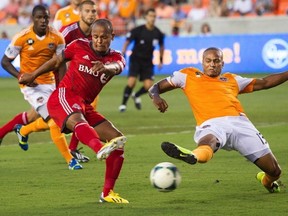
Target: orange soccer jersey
point(35, 51)
point(219, 96)
point(65, 16)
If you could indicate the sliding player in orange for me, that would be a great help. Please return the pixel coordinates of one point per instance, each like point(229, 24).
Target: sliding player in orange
point(221, 121)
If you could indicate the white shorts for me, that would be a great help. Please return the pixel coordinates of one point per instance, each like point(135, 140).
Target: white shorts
point(38, 97)
point(235, 133)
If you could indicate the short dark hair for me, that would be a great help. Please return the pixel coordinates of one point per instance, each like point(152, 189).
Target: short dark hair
point(213, 49)
point(89, 2)
point(38, 8)
point(105, 23)
point(150, 10)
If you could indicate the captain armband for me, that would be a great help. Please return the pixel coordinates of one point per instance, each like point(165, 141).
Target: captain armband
point(113, 68)
point(153, 91)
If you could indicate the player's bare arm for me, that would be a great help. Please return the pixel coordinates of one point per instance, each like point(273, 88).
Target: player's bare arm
point(270, 81)
point(8, 66)
point(50, 65)
point(109, 69)
point(155, 91)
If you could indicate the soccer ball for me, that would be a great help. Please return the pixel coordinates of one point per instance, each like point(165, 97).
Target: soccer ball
point(165, 177)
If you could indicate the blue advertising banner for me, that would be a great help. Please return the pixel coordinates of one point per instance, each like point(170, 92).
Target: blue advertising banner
point(242, 53)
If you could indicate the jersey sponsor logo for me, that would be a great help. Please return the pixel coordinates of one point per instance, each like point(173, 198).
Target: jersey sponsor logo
point(275, 53)
point(84, 68)
point(30, 41)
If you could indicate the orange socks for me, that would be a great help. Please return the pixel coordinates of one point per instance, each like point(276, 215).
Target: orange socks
point(268, 180)
point(35, 126)
point(59, 140)
point(203, 153)
point(95, 102)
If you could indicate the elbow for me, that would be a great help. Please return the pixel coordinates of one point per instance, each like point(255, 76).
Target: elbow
point(3, 63)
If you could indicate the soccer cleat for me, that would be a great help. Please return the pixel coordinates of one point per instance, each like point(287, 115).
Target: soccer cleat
point(74, 165)
point(275, 188)
point(22, 140)
point(79, 156)
point(112, 198)
point(116, 143)
point(178, 152)
point(137, 101)
point(122, 108)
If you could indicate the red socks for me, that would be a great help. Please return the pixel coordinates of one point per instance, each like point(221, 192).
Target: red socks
point(88, 136)
point(21, 118)
point(113, 167)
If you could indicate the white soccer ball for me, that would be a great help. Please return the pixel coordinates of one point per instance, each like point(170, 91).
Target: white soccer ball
point(165, 177)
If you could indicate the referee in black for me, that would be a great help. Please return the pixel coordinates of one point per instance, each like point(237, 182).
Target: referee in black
point(145, 37)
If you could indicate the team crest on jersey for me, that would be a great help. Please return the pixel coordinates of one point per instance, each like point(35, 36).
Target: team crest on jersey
point(224, 79)
point(67, 15)
point(40, 100)
point(76, 106)
point(30, 41)
point(198, 74)
point(51, 45)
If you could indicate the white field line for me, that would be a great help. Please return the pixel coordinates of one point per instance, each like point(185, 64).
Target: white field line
point(258, 126)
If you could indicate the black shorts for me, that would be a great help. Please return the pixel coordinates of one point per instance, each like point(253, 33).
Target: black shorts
point(144, 69)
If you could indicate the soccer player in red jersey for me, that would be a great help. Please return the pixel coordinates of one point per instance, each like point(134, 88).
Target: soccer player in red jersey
point(92, 65)
point(81, 29)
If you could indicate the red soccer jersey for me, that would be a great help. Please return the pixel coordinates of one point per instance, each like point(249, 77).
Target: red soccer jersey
point(79, 77)
point(72, 32)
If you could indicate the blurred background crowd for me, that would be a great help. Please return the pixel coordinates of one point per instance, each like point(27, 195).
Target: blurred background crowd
point(125, 13)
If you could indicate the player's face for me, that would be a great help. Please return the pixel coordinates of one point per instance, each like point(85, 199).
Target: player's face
point(151, 17)
point(101, 38)
point(41, 21)
point(88, 14)
point(212, 63)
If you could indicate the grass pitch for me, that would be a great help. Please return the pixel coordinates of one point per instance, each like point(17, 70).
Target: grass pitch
point(38, 182)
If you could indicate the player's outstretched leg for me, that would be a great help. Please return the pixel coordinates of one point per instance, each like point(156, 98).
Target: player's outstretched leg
point(116, 143)
point(178, 152)
point(275, 188)
point(113, 198)
point(22, 140)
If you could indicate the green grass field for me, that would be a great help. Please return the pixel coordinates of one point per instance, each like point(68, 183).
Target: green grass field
point(38, 182)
